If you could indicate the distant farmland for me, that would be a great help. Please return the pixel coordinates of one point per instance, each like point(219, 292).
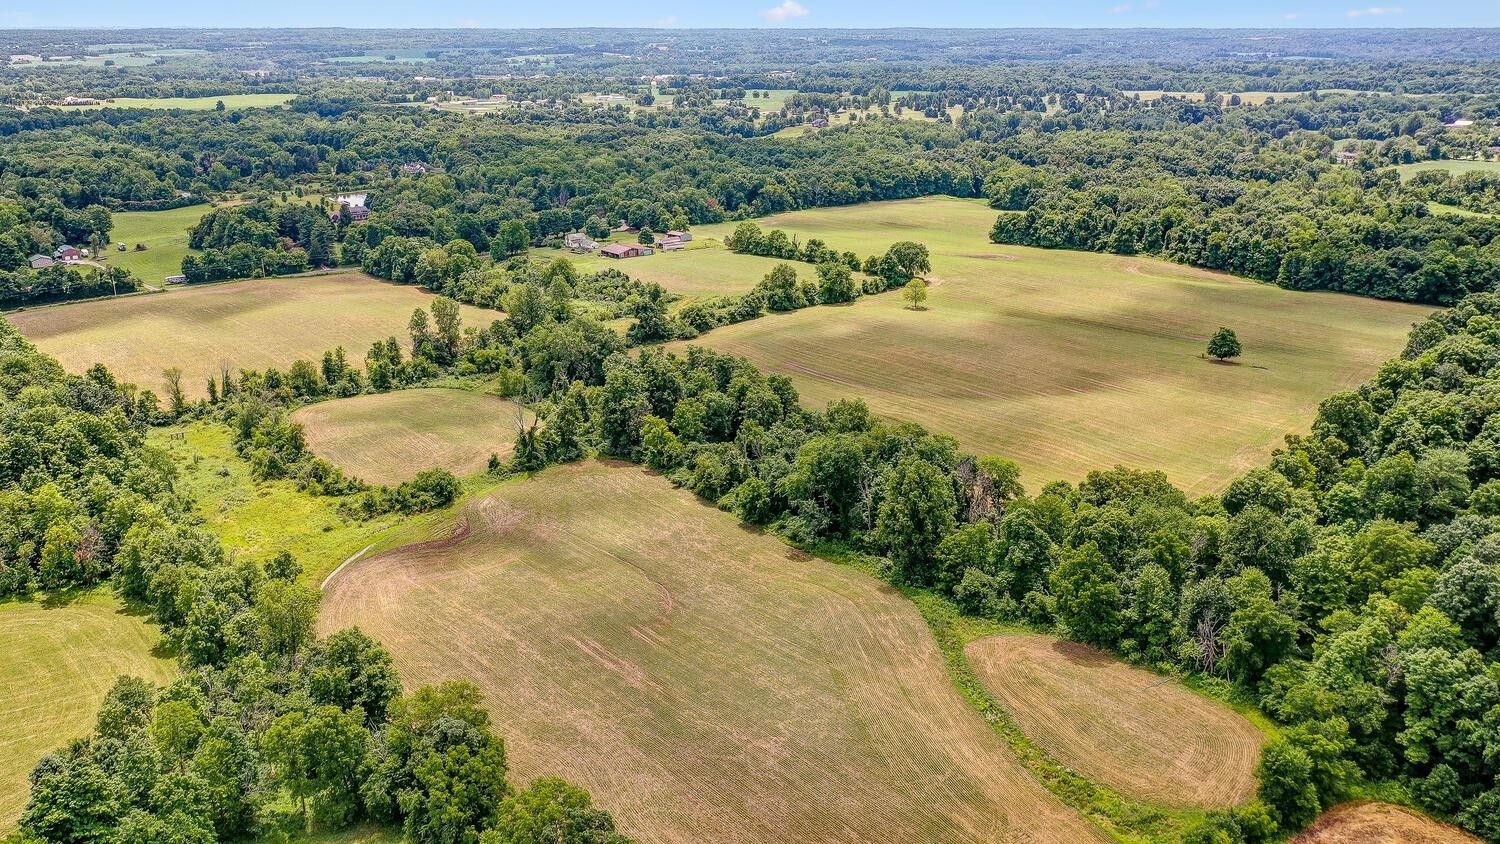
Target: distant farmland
point(1144, 736)
point(231, 101)
point(703, 681)
point(242, 324)
point(1068, 361)
point(59, 664)
point(389, 437)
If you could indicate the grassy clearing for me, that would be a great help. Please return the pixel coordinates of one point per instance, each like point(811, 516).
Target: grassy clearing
point(242, 324)
point(707, 270)
point(390, 437)
point(703, 680)
point(231, 102)
point(260, 520)
point(1068, 361)
point(1145, 736)
point(59, 662)
point(163, 233)
point(1380, 823)
point(1456, 167)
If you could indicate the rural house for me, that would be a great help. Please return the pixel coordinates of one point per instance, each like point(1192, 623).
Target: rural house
point(41, 262)
point(68, 253)
point(579, 242)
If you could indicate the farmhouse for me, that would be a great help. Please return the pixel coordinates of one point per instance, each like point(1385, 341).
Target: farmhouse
point(625, 250)
point(79, 101)
point(415, 167)
point(357, 213)
point(673, 241)
point(579, 242)
point(68, 253)
point(41, 262)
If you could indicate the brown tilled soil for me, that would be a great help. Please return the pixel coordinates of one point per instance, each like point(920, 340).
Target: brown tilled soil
point(704, 681)
point(1143, 735)
point(1380, 823)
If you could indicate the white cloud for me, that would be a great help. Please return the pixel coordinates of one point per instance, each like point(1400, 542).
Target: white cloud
point(1375, 12)
point(786, 10)
point(1120, 9)
point(669, 20)
point(468, 23)
point(1292, 16)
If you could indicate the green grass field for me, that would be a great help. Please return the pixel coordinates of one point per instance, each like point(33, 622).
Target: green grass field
point(709, 269)
point(704, 681)
point(1457, 167)
point(1068, 361)
point(241, 324)
point(231, 101)
point(262, 519)
point(389, 437)
point(163, 233)
point(59, 663)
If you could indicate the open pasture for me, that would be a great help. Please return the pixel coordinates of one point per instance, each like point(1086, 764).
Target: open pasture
point(231, 102)
point(58, 664)
point(1453, 166)
point(1380, 823)
point(163, 233)
point(389, 437)
point(704, 681)
point(242, 324)
point(708, 269)
point(1068, 361)
point(1145, 736)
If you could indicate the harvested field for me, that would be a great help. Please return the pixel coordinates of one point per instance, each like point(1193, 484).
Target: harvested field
point(704, 681)
point(390, 437)
point(1380, 823)
point(243, 324)
point(57, 665)
point(1068, 361)
point(1145, 736)
point(706, 270)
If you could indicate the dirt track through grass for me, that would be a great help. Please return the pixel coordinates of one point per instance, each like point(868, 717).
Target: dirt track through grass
point(390, 437)
point(1068, 361)
point(55, 667)
point(244, 324)
point(1144, 736)
point(705, 682)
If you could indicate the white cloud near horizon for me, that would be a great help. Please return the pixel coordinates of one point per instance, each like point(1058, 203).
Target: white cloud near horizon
point(784, 11)
point(1375, 11)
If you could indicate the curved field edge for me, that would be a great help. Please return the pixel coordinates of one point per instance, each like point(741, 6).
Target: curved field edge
point(387, 438)
point(757, 694)
point(1145, 735)
point(60, 658)
point(1376, 822)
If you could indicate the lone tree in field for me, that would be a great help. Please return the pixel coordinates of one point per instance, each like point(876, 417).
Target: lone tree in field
point(915, 294)
point(1224, 345)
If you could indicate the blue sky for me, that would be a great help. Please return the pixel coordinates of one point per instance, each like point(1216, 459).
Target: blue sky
point(750, 13)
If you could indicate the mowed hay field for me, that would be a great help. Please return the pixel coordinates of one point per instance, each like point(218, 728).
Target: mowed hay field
point(56, 667)
point(242, 324)
point(390, 437)
point(1068, 361)
point(1145, 736)
point(1380, 823)
point(704, 681)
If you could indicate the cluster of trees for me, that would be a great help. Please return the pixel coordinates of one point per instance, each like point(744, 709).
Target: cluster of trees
point(1476, 190)
point(36, 224)
point(60, 283)
point(1283, 214)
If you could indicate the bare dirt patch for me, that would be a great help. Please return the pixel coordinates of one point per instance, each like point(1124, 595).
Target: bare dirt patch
point(1380, 823)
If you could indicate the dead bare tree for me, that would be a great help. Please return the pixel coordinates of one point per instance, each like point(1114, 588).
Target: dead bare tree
point(1206, 638)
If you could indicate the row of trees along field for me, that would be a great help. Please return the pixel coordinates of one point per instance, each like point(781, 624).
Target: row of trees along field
point(267, 730)
point(1280, 213)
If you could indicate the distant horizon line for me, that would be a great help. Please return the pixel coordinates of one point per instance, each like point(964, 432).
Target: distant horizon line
point(1353, 29)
